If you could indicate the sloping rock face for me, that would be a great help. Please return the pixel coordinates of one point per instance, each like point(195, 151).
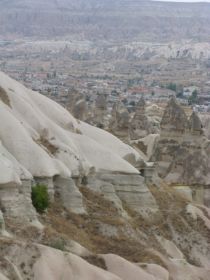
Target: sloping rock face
point(40, 142)
point(99, 111)
point(119, 188)
point(182, 150)
point(103, 221)
point(80, 110)
point(120, 121)
point(205, 119)
point(195, 124)
point(73, 97)
point(2, 224)
point(181, 252)
point(40, 262)
point(174, 119)
point(140, 126)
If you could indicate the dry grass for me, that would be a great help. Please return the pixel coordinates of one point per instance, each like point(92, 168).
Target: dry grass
point(60, 224)
point(85, 229)
point(42, 141)
point(96, 260)
point(4, 97)
point(78, 131)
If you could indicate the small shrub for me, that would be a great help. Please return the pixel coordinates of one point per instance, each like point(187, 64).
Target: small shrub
point(58, 244)
point(40, 198)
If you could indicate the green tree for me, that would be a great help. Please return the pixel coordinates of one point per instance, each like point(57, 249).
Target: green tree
point(40, 198)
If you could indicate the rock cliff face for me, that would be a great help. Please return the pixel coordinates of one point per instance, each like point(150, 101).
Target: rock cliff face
point(120, 121)
point(131, 127)
point(53, 148)
point(100, 111)
point(140, 126)
point(182, 150)
point(103, 221)
point(174, 119)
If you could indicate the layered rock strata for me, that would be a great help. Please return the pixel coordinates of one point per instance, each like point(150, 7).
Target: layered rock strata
point(182, 150)
point(52, 148)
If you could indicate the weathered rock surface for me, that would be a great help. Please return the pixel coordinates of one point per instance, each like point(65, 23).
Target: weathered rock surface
point(121, 188)
point(2, 224)
point(99, 202)
point(41, 262)
point(99, 111)
point(182, 150)
point(140, 126)
point(52, 148)
point(120, 121)
point(80, 110)
point(205, 119)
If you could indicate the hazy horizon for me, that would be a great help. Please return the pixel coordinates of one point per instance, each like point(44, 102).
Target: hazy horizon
point(184, 1)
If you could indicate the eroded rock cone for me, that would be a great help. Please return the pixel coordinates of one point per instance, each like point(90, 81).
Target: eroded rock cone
point(182, 151)
point(140, 126)
point(80, 110)
point(195, 124)
point(2, 224)
point(100, 111)
point(174, 119)
point(120, 120)
point(73, 97)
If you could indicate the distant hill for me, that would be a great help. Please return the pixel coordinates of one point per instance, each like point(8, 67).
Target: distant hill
point(105, 20)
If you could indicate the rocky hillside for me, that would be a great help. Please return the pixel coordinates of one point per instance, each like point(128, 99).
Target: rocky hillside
point(105, 20)
point(103, 221)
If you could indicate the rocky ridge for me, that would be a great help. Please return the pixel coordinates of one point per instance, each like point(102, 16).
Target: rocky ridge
point(104, 221)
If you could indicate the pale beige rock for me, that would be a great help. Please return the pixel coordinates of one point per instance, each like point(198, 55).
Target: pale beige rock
point(2, 277)
point(120, 121)
point(174, 119)
point(185, 191)
point(124, 269)
point(133, 191)
point(2, 224)
point(170, 248)
point(71, 197)
point(56, 265)
point(182, 150)
point(146, 145)
point(139, 126)
point(195, 124)
point(100, 111)
point(79, 110)
point(156, 270)
point(16, 201)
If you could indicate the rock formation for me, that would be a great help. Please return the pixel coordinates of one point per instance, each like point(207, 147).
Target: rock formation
point(77, 105)
point(64, 151)
point(140, 126)
point(174, 120)
point(2, 224)
point(195, 125)
point(154, 114)
point(80, 110)
point(182, 150)
point(120, 121)
point(205, 120)
point(100, 111)
point(103, 221)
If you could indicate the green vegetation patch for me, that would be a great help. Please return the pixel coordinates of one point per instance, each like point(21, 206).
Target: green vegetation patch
point(40, 198)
